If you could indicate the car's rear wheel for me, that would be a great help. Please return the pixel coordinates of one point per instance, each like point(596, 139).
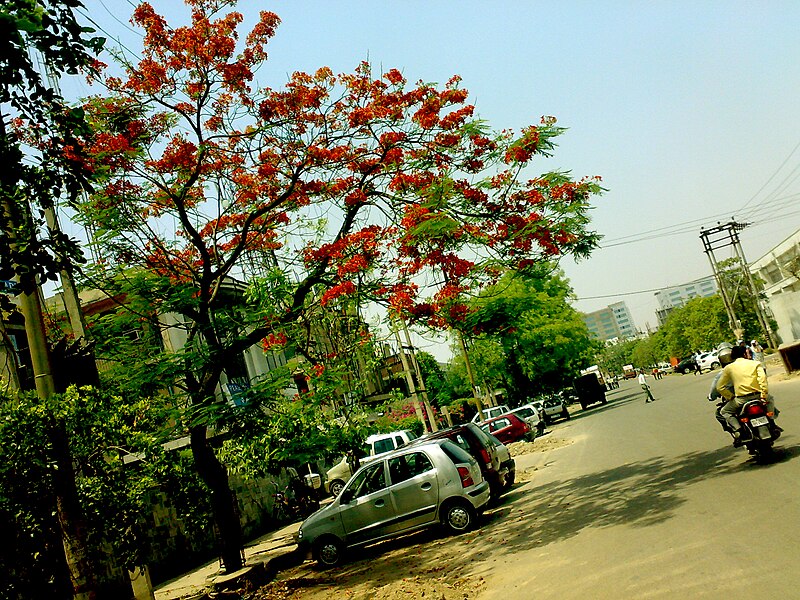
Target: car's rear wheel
point(458, 516)
point(327, 551)
point(714, 365)
point(336, 487)
point(565, 414)
point(509, 481)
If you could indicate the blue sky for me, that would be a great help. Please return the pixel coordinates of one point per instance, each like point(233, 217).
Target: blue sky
point(690, 111)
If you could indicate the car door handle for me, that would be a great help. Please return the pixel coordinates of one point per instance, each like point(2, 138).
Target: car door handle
point(379, 503)
point(425, 486)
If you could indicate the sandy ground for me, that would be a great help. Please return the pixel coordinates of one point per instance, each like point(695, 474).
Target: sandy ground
point(421, 565)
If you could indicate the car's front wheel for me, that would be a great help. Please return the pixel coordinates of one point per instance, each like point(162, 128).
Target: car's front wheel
point(565, 414)
point(458, 516)
point(327, 551)
point(714, 365)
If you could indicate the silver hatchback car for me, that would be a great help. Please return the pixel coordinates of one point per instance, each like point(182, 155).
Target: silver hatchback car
point(399, 492)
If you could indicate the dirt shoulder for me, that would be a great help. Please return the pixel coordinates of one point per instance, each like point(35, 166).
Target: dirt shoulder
point(421, 565)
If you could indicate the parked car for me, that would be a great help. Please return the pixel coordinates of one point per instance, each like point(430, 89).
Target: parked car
point(556, 408)
point(497, 467)
point(528, 413)
point(506, 462)
point(415, 487)
point(375, 445)
point(490, 413)
point(665, 368)
point(709, 361)
point(507, 428)
point(687, 365)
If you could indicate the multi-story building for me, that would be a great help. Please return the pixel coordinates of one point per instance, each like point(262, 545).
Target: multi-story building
point(779, 273)
point(612, 322)
point(678, 295)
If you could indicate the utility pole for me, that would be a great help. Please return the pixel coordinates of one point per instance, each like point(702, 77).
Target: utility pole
point(475, 393)
point(709, 245)
point(422, 390)
point(762, 317)
point(72, 303)
point(721, 236)
point(410, 381)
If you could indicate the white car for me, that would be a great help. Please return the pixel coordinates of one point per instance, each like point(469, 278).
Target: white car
point(709, 361)
point(490, 413)
point(377, 444)
point(529, 413)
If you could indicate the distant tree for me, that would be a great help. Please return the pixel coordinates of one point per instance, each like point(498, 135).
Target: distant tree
point(531, 337)
point(612, 357)
point(700, 324)
point(645, 352)
point(743, 300)
point(433, 376)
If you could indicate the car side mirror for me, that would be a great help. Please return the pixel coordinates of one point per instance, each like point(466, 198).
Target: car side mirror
point(346, 496)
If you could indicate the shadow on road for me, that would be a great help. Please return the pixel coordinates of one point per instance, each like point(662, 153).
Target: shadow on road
point(637, 494)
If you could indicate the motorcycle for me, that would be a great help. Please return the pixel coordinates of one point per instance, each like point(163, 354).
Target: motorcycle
point(294, 503)
point(759, 430)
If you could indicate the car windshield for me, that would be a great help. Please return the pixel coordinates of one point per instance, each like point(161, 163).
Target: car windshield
point(524, 412)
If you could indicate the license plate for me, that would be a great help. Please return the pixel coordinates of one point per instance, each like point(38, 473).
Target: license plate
point(759, 421)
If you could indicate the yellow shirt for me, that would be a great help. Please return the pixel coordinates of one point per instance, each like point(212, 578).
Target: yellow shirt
point(747, 377)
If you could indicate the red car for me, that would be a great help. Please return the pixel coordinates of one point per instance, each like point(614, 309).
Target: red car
point(507, 428)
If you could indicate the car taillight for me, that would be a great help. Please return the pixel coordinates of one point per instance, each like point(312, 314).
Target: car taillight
point(466, 477)
point(485, 457)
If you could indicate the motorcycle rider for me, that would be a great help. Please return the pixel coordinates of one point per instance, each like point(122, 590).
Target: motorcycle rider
point(748, 381)
point(724, 357)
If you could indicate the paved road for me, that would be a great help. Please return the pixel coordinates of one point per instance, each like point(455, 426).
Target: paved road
point(652, 501)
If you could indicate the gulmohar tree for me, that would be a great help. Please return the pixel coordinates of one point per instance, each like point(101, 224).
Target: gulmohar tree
point(342, 189)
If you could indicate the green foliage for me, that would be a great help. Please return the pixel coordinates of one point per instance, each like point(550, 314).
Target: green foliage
point(36, 130)
point(700, 324)
point(531, 337)
point(612, 357)
point(742, 299)
point(102, 429)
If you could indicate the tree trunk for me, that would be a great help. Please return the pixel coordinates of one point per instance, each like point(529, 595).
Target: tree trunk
point(70, 517)
point(223, 500)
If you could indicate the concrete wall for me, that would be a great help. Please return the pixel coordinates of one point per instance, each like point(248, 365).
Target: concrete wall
point(785, 308)
point(177, 550)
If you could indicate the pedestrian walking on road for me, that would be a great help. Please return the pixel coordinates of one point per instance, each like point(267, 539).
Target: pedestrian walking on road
point(645, 387)
point(757, 354)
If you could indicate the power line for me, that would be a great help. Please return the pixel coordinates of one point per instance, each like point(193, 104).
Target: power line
point(125, 25)
point(753, 197)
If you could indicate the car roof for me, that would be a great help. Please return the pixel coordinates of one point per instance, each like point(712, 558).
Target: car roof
point(497, 418)
point(383, 436)
point(414, 446)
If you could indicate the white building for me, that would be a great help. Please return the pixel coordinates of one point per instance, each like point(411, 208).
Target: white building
point(678, 295)
point(778, 271)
